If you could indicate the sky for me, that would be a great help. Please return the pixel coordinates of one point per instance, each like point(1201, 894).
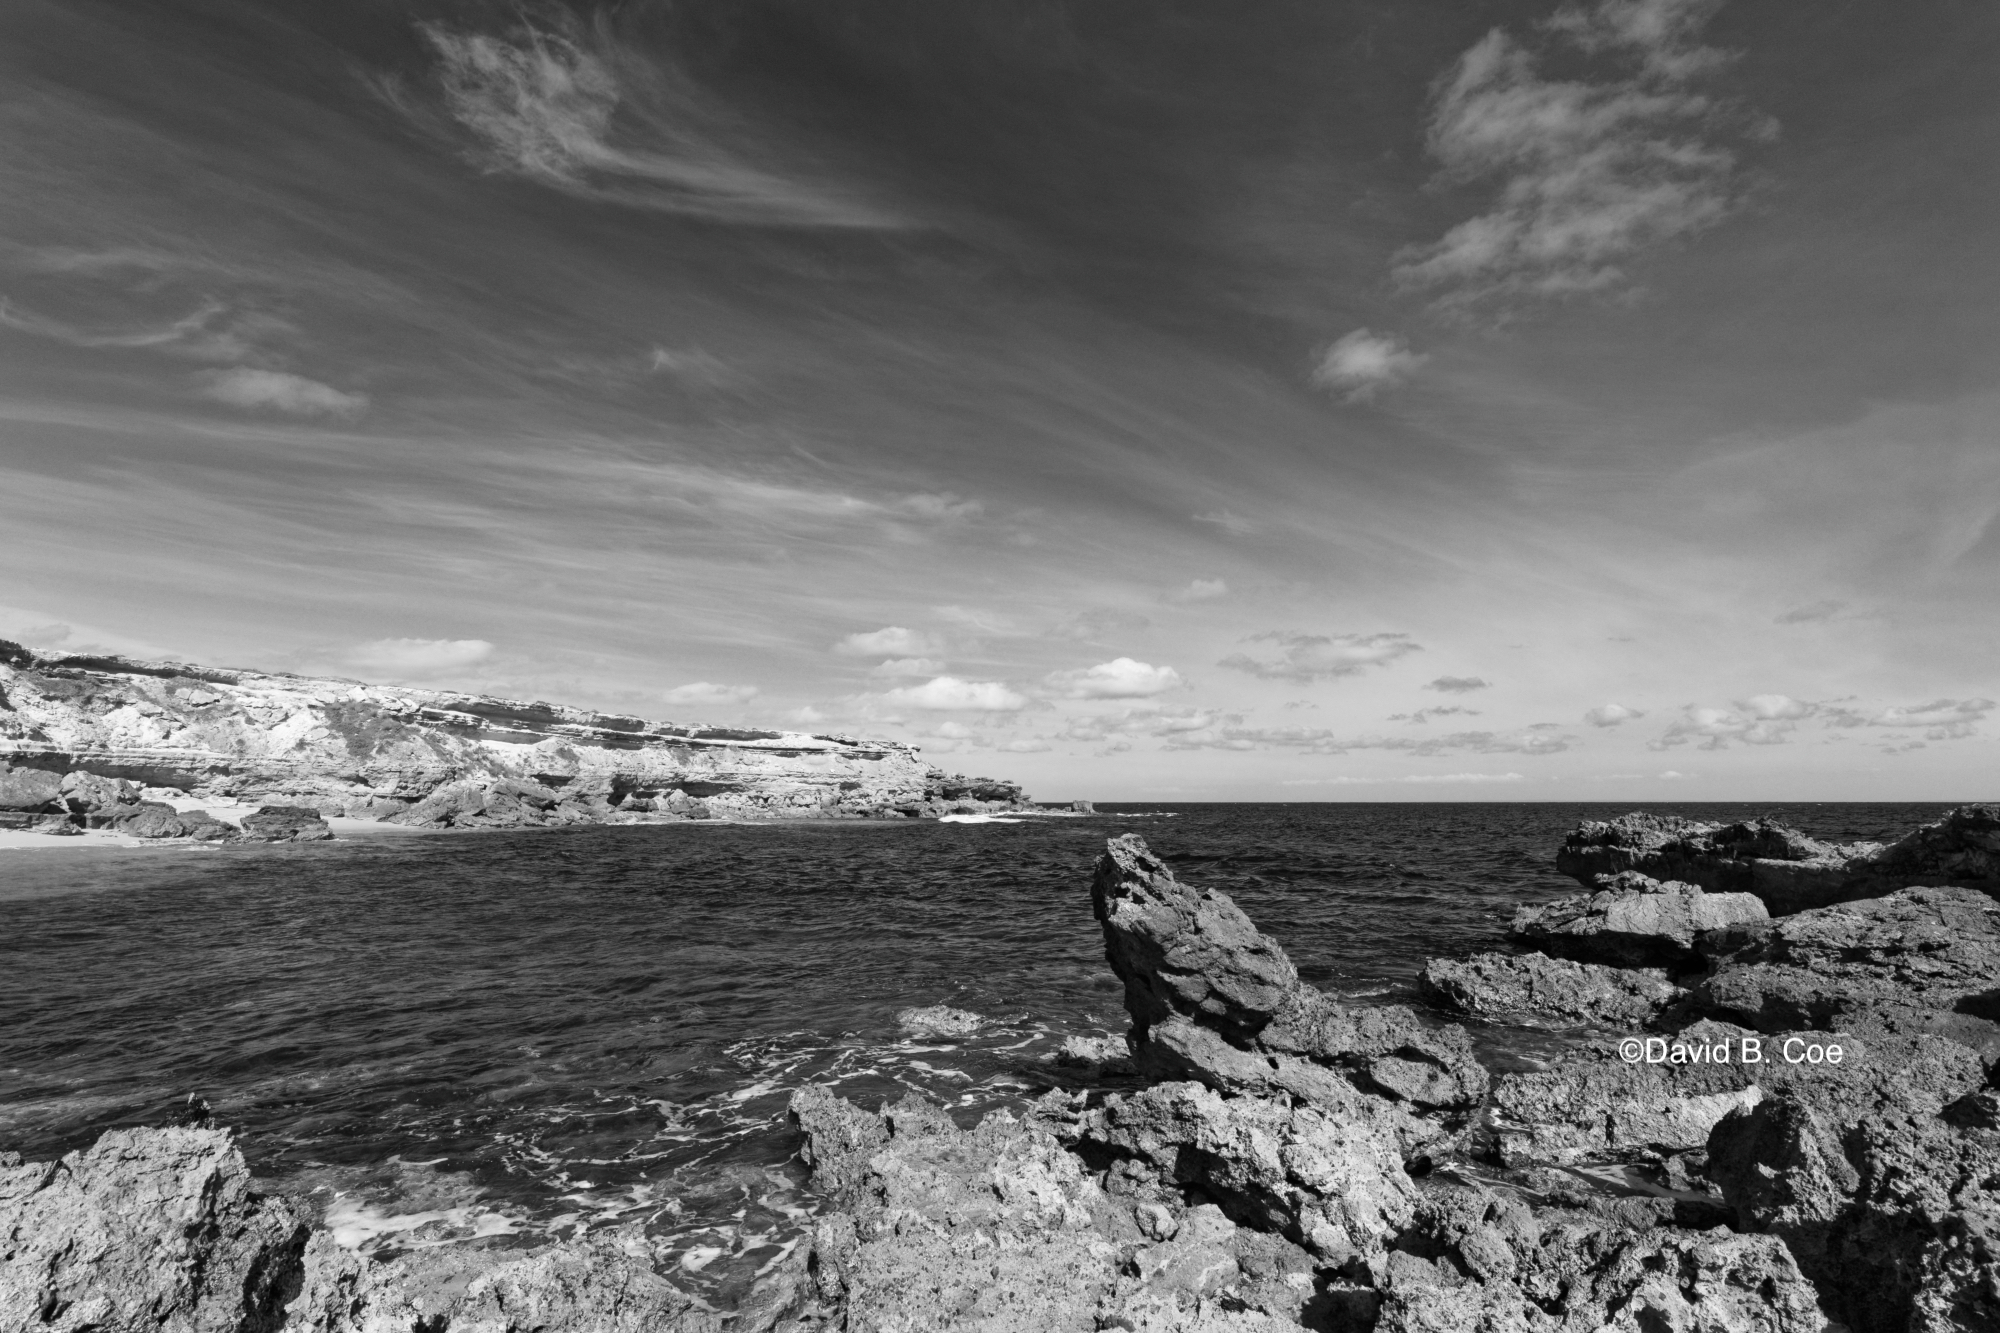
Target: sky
point(1167, 400)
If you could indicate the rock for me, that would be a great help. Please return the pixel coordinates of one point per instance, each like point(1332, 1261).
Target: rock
point(1082, 808)
point(1109, 1055)
point(148, 819)
point(1633, 921)
point(86, 793)
point(1535, 987)
point(153, 1229)
point(1896, 1216)
point(204, 827)
point(285, 823)
point(1213, 998)
point(1334, 1186)
point(939, 1020)
point(58, 826)
point(1599, 1106)
point(31, 790)
point(1924, 959)
point(1787, 870)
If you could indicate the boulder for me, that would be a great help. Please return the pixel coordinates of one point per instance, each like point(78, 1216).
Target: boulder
point(145, 819)
point(86, 793)
point(285, 823)
point(1537, 988)
point(1896, 1216)
point(1918, 960)
point(1214, 999)
point(1787, 870)
point(204, 827)
point(147, 1228)
point(1634, 921)
point(939, 1020)
point(30, 790)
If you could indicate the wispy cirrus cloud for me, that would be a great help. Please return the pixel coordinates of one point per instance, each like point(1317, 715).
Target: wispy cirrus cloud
point(247, 388)
point(1423, 716)
point(1939, 719)
point(1309, 657)
point(1416, 779)
point(417, 658)
point(1590, 173)
point(892, 641)
point(704, 692)
point(566, 109)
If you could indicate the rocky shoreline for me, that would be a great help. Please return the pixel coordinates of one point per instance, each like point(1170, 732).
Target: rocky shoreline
point(171, 751)
point(1773, 1118)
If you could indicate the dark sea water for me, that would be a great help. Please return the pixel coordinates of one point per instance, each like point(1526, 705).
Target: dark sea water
point(529, 1033)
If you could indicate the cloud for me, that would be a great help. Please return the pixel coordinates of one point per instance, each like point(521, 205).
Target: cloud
point(1099, 623)
point(1310, 657)
point(1417, 778)
point(1424, 715)
point(949, 693)
point(1228, 522)
point(1100, 727)
point(1940, 719)
point(1764, 719)
point(1611, 715)
point(702, 692)
point(418, 657)
point(1031, 745)
point(570, 111)
point(1120, 678)
point(1816, 611)
point(891, 641)
point(905, 667)
point(1201, 590)
point(247, 388)
point(1589, 173)
point(1458, 684)
point(1361, 364)
point(1541, 738)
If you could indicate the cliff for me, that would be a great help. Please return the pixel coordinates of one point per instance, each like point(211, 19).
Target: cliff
point(428, 757)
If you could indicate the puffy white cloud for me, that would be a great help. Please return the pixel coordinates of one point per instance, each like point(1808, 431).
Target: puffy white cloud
point(1120, 678)
point(1458, 684)
point(891, 641)
point(950, 694)
point(418, 657)
point(1939, 719)
point(247, 388)
point(1310, 657)
point(897, 668)
point(703, 692)
point(1611, 715)
point(1361, 364)
point(1764, 719)
point(1589, 173)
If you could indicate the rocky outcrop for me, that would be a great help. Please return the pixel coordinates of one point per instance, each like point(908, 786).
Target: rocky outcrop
point(424, 757)
point(1919, 960)
point(1634, 921)
point(1787, 870)
point(1896, 1217)
point(163, 1230)
point(1214, 999)
point(1535, 988)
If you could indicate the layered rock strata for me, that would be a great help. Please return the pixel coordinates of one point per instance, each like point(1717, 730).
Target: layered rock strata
point(429, 758)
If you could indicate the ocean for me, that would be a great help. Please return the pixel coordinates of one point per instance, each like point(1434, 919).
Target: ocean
point(531, 1034)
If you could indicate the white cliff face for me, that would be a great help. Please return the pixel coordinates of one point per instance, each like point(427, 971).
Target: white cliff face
point(346, 747)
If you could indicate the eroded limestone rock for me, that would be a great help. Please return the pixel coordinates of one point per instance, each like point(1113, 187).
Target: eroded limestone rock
point(1537, 988)
point(1634, 921)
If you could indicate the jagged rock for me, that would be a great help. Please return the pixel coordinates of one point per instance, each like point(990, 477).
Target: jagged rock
point(939, 1020)
point(1536, 987)
point(1633, 921)
point(1924, 959)
point(1789, 871)
point(30, 790)
point(1599, 1106)
point(1896, 1216)
point(1334, 1185)
point(1215, 999)
point(153, 1229)
point(285, 823)
point(204, 827)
